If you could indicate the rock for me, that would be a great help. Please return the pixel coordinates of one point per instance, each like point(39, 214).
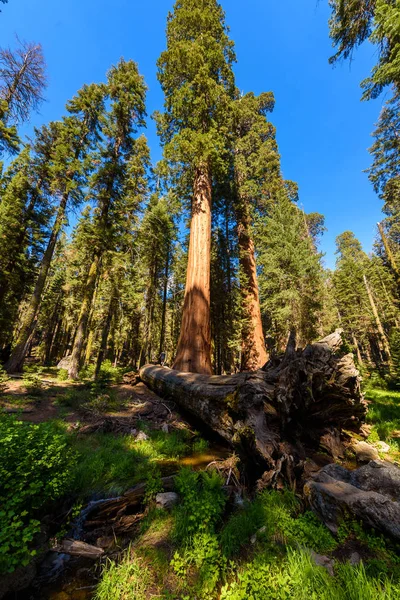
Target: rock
point(332, 443)
point(166, 499)
point(65, 362)
point(378, 476)
point(354, 559)
point(323, 561)
point(142, 436)
point(365, 452)
point(382, 447)
point(133, 432)
point(165, 428)
point(370, 494)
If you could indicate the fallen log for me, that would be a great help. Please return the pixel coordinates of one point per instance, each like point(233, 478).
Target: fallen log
point(270, 415)
point(77, 548)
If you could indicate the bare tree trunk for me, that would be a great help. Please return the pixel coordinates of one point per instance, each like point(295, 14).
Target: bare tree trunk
point(355, 344)
point(164, 303)
point(104, 335)
point(194, 346)
point(381, 331)
point(254, 353)
point(16, 360)
point(389, 253)
point(84, 318)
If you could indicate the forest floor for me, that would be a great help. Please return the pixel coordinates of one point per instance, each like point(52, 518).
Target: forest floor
point(209, 545)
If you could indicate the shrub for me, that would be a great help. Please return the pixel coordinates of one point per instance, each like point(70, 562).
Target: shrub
point(4, 378)
point(35, 469)
point(202, 502)
point(62, 375)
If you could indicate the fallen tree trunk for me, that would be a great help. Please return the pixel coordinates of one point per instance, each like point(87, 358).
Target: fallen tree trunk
point(272, 414)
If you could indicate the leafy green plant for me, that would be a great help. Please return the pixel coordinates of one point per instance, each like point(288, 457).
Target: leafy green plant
point(202, 502)
point(154, 483)
point(203, 555)
point(35, 469)
point(4, 379)
point(62, 375)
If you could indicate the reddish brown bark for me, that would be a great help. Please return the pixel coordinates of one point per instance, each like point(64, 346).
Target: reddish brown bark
point(194, 346)
point(254, 353)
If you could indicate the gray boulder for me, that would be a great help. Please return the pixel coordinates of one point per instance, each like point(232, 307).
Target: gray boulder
point(65, 362)
point(370, 493)
point(166, 499)
point(365, 452)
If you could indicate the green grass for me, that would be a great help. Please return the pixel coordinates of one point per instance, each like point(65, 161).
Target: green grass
point(127, 580)
point(111, 463)
point(384, 415)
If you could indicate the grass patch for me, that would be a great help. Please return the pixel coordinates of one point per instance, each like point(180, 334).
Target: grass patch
point(121, 581)
point(384, 415)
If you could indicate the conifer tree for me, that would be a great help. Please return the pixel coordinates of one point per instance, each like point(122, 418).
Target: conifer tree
point(110, 185)
point(257, 177)
point(72, 140)
point(196, 76)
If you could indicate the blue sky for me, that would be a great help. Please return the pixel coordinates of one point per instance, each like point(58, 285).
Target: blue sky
point(323, 129)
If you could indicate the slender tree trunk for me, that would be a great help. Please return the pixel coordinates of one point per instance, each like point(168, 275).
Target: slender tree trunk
point(355, 344)
point(164, 302)
point(16, 360)
point(194, 346)
point(254, 353)
point(381, 331)
point(84, 318)
point(104, 335)
point(389, 254)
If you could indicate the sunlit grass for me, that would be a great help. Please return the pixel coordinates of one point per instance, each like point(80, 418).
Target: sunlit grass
point(384, 415)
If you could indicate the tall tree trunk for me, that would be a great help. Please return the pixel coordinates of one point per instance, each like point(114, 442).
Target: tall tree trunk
point(84, 317)
point(105, 334)
point(389, 254)
point(381, 331)
point(194, 346)
point(357, 348)
point(164, 302)
point(254, 353)
point(16, 360)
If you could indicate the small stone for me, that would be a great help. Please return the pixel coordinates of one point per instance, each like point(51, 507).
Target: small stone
point(166, 499)
point(165, 428)
point(365, 452)
point(133, 432)
point(323, 561)
point(382, 447)
point(354, 559)
point(142, 436)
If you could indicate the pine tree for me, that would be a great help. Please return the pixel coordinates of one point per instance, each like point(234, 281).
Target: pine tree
point(73, 139)
point(291, 276)
point(109, 184)
point(196, 76)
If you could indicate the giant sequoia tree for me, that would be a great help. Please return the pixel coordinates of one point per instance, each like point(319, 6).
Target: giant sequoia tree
point(197, 79)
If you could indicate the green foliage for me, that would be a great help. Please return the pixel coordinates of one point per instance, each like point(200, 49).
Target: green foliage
point(202, 553)
point(384, 415)
point(241, 526)
point(128, 579)
point(298, 578)
point(4, 378)
point(36, 464)
point(202, 502)
point(33, 384)
point(62, 375)
point(154, 483)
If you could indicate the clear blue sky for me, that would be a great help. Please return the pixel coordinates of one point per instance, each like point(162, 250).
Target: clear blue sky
point(323, 129)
